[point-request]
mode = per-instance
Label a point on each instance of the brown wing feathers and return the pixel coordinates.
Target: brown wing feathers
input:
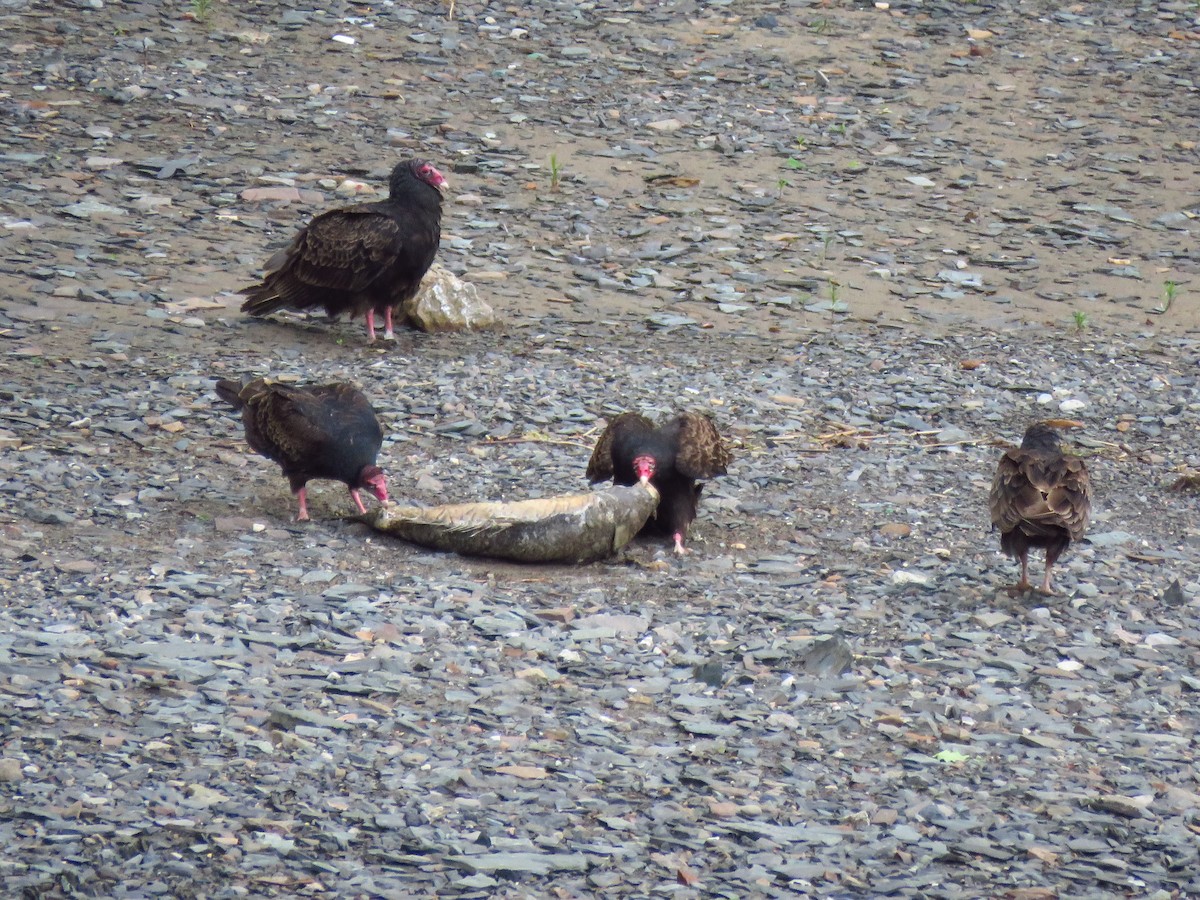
(700, 451)
(1040, 492)
(341, 253)
(293, 423)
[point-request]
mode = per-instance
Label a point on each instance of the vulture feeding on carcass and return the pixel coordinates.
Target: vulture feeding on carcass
(363, 259)
(1039, 498)
(670, 457)
(318, 431)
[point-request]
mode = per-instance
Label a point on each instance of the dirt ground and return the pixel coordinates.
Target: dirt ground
(913, 166)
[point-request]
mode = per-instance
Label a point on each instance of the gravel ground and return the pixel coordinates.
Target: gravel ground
(833, 695)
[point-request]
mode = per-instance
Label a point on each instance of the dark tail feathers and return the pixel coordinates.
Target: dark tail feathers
(261, 301)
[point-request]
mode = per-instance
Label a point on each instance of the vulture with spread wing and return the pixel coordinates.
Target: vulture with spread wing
(363, 259)
(671, 457)
(1040, 498)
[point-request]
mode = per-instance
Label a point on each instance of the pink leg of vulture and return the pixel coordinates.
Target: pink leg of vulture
(1023, 584)
(357, 500)
(679, 549)
(302, 496)
(1046, 588)
(370, 326)
(388, 334)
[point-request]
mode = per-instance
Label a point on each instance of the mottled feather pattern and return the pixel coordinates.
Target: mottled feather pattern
(701, 453)
(1038, 493)
(297, 426)
(346, 249)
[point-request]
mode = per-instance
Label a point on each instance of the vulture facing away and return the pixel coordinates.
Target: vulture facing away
(319, 431)
(670, 457)
(1039, 498)
(363, 259)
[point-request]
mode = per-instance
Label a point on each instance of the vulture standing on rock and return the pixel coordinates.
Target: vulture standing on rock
(1039, 498)
(670, 457)
(320, 431)
(363, 259)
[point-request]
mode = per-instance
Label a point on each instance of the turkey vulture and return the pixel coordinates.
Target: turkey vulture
(319, 431)
(670, 457)
(368, 258)
(1039, 498)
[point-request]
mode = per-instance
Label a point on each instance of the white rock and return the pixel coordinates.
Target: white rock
(1072, 405)
(352, 188)
(446, 303)
(1159, 639)
(150, 202)
(904, 576)
(86, 209)
(252, 37)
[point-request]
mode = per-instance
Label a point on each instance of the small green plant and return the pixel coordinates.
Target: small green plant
(781, 184)
(1170, 289)
(1081, 319)
(795, 164)
(826, 239)
(820, 26)
(202, 10)
(839, 129)
(801, 142)
(833, 292)
(555, 172)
